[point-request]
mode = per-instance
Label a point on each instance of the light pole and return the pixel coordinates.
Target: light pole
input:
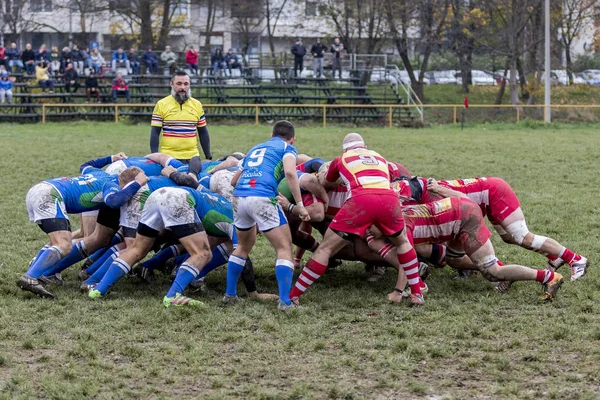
(547, 88)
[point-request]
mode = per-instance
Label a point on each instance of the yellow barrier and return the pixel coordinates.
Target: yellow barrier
(324, 108)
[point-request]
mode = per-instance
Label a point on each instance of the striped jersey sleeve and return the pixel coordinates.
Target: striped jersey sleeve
(157, 116)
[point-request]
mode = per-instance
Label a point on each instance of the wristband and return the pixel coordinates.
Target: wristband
(300, 204)
(398, 290)
(290, 207)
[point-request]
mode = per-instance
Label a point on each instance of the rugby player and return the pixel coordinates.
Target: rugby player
(370, 201)
(255, 206)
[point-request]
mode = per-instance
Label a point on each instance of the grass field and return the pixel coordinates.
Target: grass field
(346, 341)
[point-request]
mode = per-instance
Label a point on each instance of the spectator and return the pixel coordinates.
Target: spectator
(71, 78)
(28, 58)
(151, 60)
(134, 61)
(118, 59)
(170, 59)
(42, 54)
(218, 61)
(336, 49)
(120, 88)
(54, 59)
(6, 86)
(87, 60)
(41, 74)
(97, 60)
(13, 55)
(318, 50)
(91, 87)
(65, 57)
(191, 60)
(231, 60)
(77, 59)
(3, 62)
(299, 51)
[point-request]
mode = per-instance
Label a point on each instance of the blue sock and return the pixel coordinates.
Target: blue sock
(118, 238)
(101, 270)
(77, 254)
(44, 261)
(161, 257)
(185, 275)
(106, 256)
(234, 270)
(181, 259)
(46, 247)
(219, 257)
(116, 271)
(284, 272)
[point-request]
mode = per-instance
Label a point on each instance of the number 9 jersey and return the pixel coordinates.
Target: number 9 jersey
(262, 169)
(363, 172)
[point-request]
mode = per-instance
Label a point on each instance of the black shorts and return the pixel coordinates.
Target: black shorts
(109, 217)
(54, 224)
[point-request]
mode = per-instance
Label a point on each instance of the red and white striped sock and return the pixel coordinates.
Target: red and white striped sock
(385, 250)
(569, 256)
(310, 273)
(544, 275)
(409, 263)
(550, 257)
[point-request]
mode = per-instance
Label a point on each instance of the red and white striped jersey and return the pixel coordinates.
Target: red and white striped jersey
(363, 172)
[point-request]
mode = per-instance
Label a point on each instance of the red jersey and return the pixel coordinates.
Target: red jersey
(363, 172)
(397, 171)
(452, 218)
(414, 191)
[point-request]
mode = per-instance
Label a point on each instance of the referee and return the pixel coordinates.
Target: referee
(182, 122)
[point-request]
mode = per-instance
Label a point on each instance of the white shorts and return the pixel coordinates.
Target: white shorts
(262, 211)
(116, 168)
(45, 202)
(131, 212)
(220, 183)
(168, 207)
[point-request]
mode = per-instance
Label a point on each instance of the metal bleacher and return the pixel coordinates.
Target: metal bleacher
(298, 94)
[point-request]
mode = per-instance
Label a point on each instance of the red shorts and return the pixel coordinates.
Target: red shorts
(360, 212)
(309, 198)
(473, 233)
(503, 201)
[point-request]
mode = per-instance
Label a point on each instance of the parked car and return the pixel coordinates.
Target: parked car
(406, 79)
(591, 76)
(499, 76)
(478, 77)
(560, 77)
(445, 77)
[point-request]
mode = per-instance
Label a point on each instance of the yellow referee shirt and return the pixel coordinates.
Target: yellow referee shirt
(179, 123)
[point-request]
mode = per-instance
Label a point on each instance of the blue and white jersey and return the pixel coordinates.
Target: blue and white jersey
(215, 212)
(149, 167)
(262, 169)
(85, 192)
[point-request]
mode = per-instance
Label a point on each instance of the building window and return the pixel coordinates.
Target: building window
(310, 9)
(40, 6)
(182, 8)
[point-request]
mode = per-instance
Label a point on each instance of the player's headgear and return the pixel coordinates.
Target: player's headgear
(352, 140)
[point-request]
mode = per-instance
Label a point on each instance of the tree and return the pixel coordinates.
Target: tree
(248, 23)
(13, 20)
(272, 13)
(576, 16)
(430, 16)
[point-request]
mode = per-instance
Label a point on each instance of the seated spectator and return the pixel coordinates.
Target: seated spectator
(13, 55)
(6, 87)
(119, 60)
(54, 59)
(71, 78)
(134, 61)
(218, 61)
(91, 87)
(231, 60)
(191, 60)
(65, 57)
(120, 88)
(41, 74)
(3, 62)
(87, 60)
(151, 60)
(170, 59)
(77, 58)
(28, 58)
(97, 61)
(42, 54)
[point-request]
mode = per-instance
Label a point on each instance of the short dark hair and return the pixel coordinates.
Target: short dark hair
(179, 73)
(284, 129)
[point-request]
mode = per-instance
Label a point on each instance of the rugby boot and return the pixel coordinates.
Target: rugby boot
(181, 301)
(83, 275)
(503, 286)
(55, 279)
(227, 299)
(34, 286)
(552, 287)
(554, 265)
(95, 294)
(143, 273)
(86, 287)
(416, 300)
(199, 285)
(281, 306)
(377, 274)
(579, 268)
